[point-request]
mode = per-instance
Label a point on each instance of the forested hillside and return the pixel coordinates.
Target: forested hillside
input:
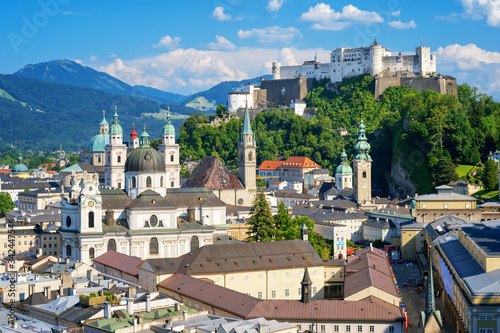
(39, 115)
(417, 138)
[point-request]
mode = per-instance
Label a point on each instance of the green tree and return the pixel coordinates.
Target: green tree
(286, 227)
(220, 110)
(261, 222)
(185, 172)
(6, 204)
(261, 182)
(490, 175)
(444, 171)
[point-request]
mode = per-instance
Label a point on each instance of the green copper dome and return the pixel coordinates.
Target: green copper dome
(115, 127)
(103, 122)
(98, 142)
(20, 167)
(144, 159)
(144, 139)
(168, 128)
(344, 168)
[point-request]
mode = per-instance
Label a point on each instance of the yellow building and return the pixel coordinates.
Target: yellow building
(238, 231)
(412, 240)
(468, 264)
(428, 207)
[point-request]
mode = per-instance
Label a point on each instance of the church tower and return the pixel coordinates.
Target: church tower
(170, 151)
(343, 174)
(247, 154)
(116, 154)
(134, 139)
(362, 165)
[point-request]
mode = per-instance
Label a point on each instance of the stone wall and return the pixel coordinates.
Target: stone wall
(442, 85)
(293, 89)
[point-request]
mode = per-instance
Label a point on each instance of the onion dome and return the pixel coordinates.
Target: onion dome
(115, 127)
(344, 168)
(168, 128)
(133, 134)
(362, 146)
(20, 167)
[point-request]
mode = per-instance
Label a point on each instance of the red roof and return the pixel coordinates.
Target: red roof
(275, 182)
(4, 170)
(47, 165)
(270, 165)
(119, 261)
(301, 162)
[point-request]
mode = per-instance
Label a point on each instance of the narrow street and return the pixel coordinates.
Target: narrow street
(415, 302)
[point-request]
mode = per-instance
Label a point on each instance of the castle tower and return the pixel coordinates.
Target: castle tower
(306, 288)
(376, 54)
(247, 149)
(430, 319)
(343, 174)
(426, 61)
(170, 152)
(134, 139)
(362, 165)
(116, 154)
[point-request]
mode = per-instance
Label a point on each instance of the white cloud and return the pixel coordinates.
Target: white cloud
(168, 42)
(396, 13)
(271, 34)
(402, 25)
(478, 9)
(326, 18)
(219, 15)
(221, 44)
(472, 65)
(274, 5)
(456, 51)
(191, 70)
(92, 58)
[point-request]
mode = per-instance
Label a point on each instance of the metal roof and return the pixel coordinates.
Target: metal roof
(119, 261)
(236, 257)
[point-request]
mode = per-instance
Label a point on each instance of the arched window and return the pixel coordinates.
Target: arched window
(364, 174)
(153, 221)
(161, 181)
(99, 159)
(68, 221)
(111, 245)
(119, 159)
(250, 156)
(134, 182)
(153, 246)
(195, 243)
(171, 158)
(91, 253)
(148, 182)
(68, 250)
(91, 219)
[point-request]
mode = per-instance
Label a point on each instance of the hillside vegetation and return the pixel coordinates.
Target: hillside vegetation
(39, 115)
(417, 139)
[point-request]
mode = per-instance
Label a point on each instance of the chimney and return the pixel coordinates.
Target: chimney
(107, 310)
(130, 306)
(191, 214)
(148, 303)
(184, 315)
(111, 284)
(99, 280)
(72, 291)
(177, 306)
(131, 291)
(46, 292)
(371, 247)
(259, 327)
(66, 260)
(61, 290)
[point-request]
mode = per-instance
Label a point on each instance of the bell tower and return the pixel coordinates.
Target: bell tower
(116, 155)
(170, 151)
(362, 167)
(247, 157)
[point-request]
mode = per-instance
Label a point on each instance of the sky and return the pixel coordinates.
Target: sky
(188, 46)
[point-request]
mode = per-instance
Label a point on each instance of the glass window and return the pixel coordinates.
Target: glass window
(134, 182)
(287, 292)
(335, 328)
(391, 328)
(153, 246)
(68, 221)
(153, 221)
(372, 328)
(259, 295)
(323, 328)
(148, 181)
(91, 219)
(347, 328)
(68, 250)
(360, 328)
(91, 253)
(273, 294)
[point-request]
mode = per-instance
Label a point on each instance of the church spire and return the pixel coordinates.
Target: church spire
(247, 127)
(430, 312)
(306, 287)
(362, 146)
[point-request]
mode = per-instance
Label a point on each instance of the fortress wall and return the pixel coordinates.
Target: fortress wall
(440, 85)
(294, 88)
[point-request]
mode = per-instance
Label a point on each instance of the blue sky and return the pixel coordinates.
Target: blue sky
(188, 46)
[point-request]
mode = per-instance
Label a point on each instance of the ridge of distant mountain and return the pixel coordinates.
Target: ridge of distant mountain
(216, 95)
(42, 115)
(73, 73)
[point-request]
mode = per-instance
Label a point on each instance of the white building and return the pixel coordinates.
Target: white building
(349, 62)
(298, 106)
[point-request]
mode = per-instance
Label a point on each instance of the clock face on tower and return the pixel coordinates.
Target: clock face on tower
(91, 204)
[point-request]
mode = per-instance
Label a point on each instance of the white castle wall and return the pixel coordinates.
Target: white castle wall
(350, 62)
